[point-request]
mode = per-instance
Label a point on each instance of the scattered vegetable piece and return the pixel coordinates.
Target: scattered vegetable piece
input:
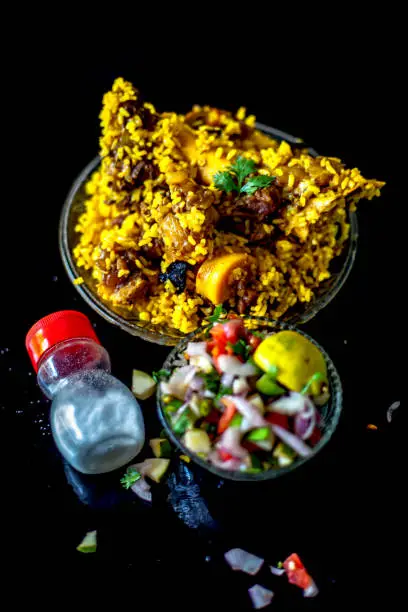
(277, 571)
(260, 597)
(394, 406)
(143, 385)
(88, 544)
(142, 489)
(161, 447)
(372, 426)
(296, 572)
(185, 458)
(153, 468)
(130, 477)
(197, 441)
(241, 560)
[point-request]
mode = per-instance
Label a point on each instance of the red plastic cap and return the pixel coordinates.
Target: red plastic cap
(55, 328)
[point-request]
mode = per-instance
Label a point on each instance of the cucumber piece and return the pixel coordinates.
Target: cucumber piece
(173, 405)
(284, 454)
(268, 386)
(183, 422)
(143, 385)
(236, 420)
(261, 433)
(88, 544)
(161, 447)
(197, 441)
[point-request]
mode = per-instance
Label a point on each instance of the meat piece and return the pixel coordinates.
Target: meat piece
(153, 251)
(262, 203)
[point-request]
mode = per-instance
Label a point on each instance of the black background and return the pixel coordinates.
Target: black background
(339, 87)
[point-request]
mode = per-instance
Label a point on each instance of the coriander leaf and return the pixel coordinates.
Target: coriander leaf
(212, 380)
(130, 477)
(242, 167)
(241, 348)
(223, 391)
(225, 182)
(256, 182)
(216, 315)
(161, 375)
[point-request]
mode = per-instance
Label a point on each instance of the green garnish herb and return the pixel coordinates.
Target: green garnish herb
(258, 334)
(223, 391)
(280, 565)
(130, 477)
(241, 348)
(161, 375)
(218, 313)
(211, 381)
(316, 377)
(233, 180)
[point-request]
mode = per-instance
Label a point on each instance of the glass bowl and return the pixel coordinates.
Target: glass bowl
(74, 207)
(330, 412)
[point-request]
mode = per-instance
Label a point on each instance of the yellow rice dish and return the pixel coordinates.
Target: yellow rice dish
(190, 211)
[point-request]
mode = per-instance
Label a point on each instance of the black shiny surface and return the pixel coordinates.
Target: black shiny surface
(343, 512)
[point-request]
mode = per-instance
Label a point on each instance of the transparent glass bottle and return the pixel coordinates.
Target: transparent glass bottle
(96, 421)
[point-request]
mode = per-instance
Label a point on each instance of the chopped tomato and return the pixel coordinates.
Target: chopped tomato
(296, 571)
(278, 419)
(230, 331)
(213, 417)
(224, 456)
(315, 437)
(226, 416)
(254, 341)
(250, 446)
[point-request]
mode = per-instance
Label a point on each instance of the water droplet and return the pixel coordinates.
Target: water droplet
(30, 373)
(55, 279)
(38, 401)
(10, 369)
(345, 341)
(208, 558)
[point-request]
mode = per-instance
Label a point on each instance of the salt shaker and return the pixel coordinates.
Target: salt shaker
(96, 421)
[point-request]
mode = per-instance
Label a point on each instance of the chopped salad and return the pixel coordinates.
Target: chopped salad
(247, 400)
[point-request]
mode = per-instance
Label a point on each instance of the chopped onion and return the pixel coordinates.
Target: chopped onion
(209, 394)
(291, 440)
(277, 571)
(243, 561)
(232, 465)
(227, 379)
(260, 596)
(180, 380)
(305, 421)
(230, 441)
(196, 348)
(232, 365)
(248, 411)
(197, 383)
(311, 590)
(394, 406)
(240, 386)
(289, 404)
(142, 489)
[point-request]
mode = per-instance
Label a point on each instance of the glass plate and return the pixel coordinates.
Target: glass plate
(74, 207)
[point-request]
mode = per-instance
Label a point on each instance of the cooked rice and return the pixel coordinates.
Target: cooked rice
(130, 230)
